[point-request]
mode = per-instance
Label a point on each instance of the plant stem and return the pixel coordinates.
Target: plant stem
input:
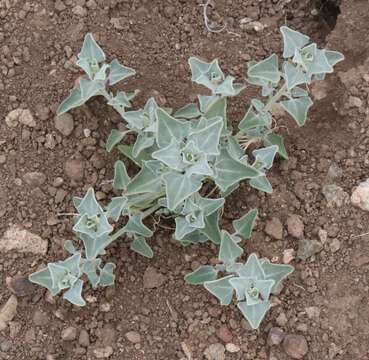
(150, 210)
(276, 97)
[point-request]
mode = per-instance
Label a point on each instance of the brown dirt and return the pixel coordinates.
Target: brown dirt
(156, 38)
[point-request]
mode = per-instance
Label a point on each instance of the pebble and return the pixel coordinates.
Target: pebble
(335, 245)
(6, 345)
(224, 334)
(360, 195)
(40, 318)
(282, 320)
(295, 346)
(288, 255)
(232, 348)
(18, 239)
(152, 278)
(335, 172)
(335, 195)
(23, 116)
(79, 11)
(21, 286)
(64, 123)
(8, 312)
(295, 226)
(34, 179)
(74, 169)
(323, 236)
(274, 228)
(355, 102)
(313, 312)
(84, 338)
(275, 336)
(307, 248)
(103, 353)
(133, 337)
(215, 352)
(69, 334)
(2, 158)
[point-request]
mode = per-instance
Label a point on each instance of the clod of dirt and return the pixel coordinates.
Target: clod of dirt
(22, 240)
(307, 248)
(215, 352)
(274, 228)
(152, 278)
(133, 337)
(232, 348)
(34, 179)
(360, 196)
(74, 168)
(295, 346)
(21, 286)
(224, 334)
(335, 172)
(8, 312)
(40, 318)
(295, 226)
(288, 255)
(64, 123)
(69, 334)
(103, 353)
(335, 195)
(275, 336)
(84, 338)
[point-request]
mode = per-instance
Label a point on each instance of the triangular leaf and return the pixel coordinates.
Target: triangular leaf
(106, 274)
(261, 183)
(74, 294)
(170, 155)
(298, 108)
(135, 225)
(142, 142)
(91, 50)
(121, 178)
(229, 250)
(114, 138)
(119, 72)
(292, 39)
(244, 225)
(266, 69)
(275, 139)
(265, 155)
(333, 57)
(73, 100)
(254, 314)
(140, 246)
(43, 278)
(252, 269)
(90, 88)
(221, 288)
(294, 76)
(127, 151)
(188, 111)
(94, 245)
(201, 275)
(276, 272)
(89, 204)
(115, 207)
(211, 229)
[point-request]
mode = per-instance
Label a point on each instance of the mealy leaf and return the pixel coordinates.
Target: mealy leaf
(254, 314)
(73, 100)
(294, 76)
(266, 69)
(229, 250)
(170, 155)
(276, 272)
(90, 88)
(252, 269)
(211, 229)
(188, 111)
(121, 178)
(221, 288)
(106, 274)
(265, 155)
(89, 204)
(119, 72)
(91, 50)
(135, 225)
(200, 275)
(127, 151)
(298, 108)
(115, 207)
(261, 183)
(244, 225)
(292, 39)
(140, 246)
(275, 139)
(74, 294)
(43, 278)
(142, 142)
(114, 138)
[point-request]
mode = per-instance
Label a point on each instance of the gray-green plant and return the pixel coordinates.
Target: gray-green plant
(177, 154)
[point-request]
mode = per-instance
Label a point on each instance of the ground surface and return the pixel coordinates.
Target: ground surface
(326, 298)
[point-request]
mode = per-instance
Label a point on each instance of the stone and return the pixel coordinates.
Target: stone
(59, 6)
(40, 318)
(288, 255)
(97, 161)
(282, 320)
(6, 345)
(335, 172)
(64, 123)
(335, 245)
(215, 352)
(152, 278)
(84, 338)
(21, 286)
(26, 118)
(35, 178)
(274, 228)
(295, 346)
(360, 195)
(8, 312)
(103, 353)
(14, 328)
(23, 116)
(307, 248)
(232, 348)
(275, 336)
(18, 239)
(224, 334)
(107, 336)
(74, 169)
(79, 11)
(295, 226)
(313, 312)
(133, 337)
(355, 102)
(323, 235)
(335, 195)
(69, 334)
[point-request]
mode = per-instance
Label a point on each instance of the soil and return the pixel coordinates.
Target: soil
(325, 300)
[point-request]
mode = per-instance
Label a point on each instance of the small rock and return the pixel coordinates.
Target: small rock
(360, 196)
(275, 336)
(6, 345)
(152, 278)
(335, 195)
(23, 116)
(21, 286)
(295, 226)
(74, 168)
(215, 352)
(274, 228)
(27, 119)
(335, 172)
(34, 179)
(2, 158)
(59, 6)
(232, 348)
(307, 248)
(8, 312)
(355, 102)
(69, 334)
(282, 320)
(103, 353)
(97, 161)
(58, 181)
(107, 336)
(133, 337)
(313, 312)
(79, 11)
(295, 346)
(288, 255)
(64, 123)
(84, 338)
(21, 240)
(224, 334)
(323, 235)
(335, 245)
(40, 318)
(91, 4)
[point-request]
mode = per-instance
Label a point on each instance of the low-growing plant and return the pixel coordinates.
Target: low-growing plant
(177, 154)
